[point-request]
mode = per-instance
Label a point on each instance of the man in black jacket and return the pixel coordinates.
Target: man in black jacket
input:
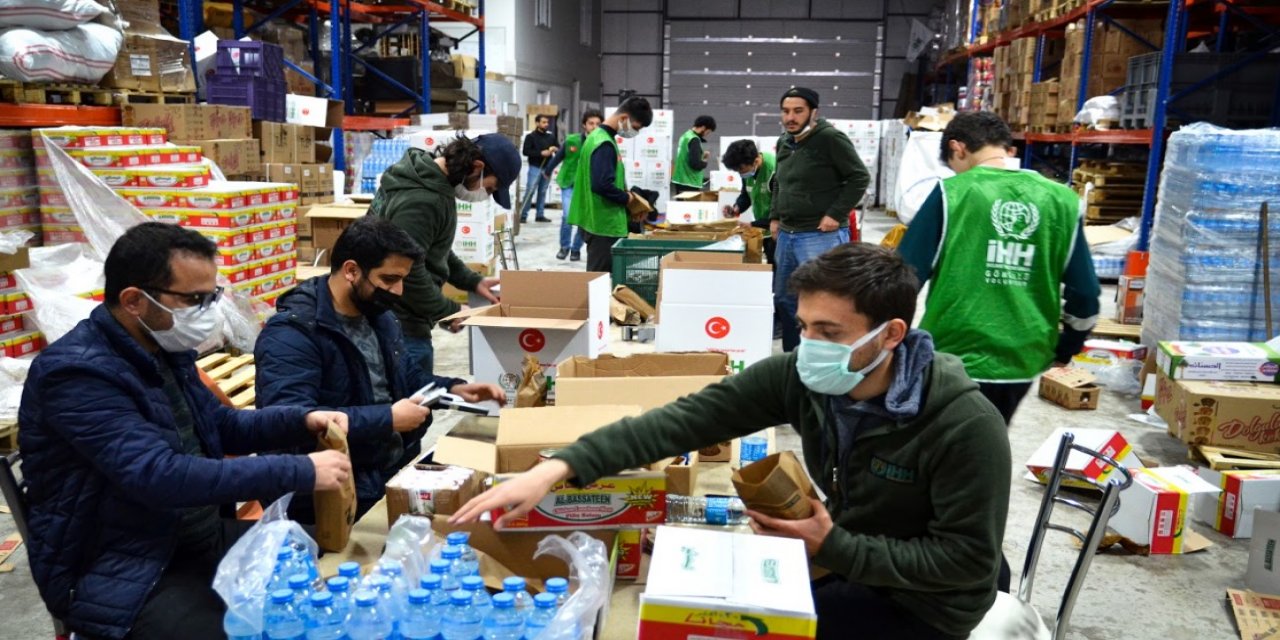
(539, 148)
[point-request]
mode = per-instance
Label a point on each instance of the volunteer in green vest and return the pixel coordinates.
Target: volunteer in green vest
(913, 461)
(756, 169)
(601, 210)
(819, 179)
(567, 159)
(690, 170)
(1006, 252)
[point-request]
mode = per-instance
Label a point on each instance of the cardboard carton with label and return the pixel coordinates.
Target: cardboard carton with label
(329, 221)
(1226, 361)
(551, 315)
(714, 302)
(1236, 415)
(1070, 388)
(1153, 510)
(1232, 511)
(1108, 442)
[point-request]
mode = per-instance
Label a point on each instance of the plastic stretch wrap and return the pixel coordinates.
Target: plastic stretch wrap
(13, 374)
(59, 282)
(1099, 109)
(246, 569)
(409, 545)
(588, 561)
(919, 173)
(1206, 273)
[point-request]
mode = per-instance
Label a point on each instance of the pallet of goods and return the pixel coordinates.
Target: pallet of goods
(1115, 190)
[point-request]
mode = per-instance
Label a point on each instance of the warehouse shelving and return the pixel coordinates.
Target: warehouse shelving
(55, 115)
(1210, 18)
(341, 15)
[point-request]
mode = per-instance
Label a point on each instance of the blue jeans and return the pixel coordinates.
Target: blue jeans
(419, 350)
(535, 179)
(793, 250)
(566, 229)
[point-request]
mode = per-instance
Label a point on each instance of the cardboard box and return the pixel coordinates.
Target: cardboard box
(630, 554)
(629, 500)
(431, 489)
(1153, 510)
(1263, 573)
(328, 222)
(192, 121)
(1070, 388)
(1255, 613)
(1232, 511)
(1108, 442)
(714, 302)
(1219, 361)
(650, 380)
(235, 157)
(278, 141)
(464, 297)
(1100, 354)
(511, 553)
(1130, 296)
(313, 112)
(726, 585)
(1237, 415)
(304, 143)
(551, 315)
(151, 60)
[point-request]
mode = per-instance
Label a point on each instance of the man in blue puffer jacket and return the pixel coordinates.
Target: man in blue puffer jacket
(335, 343)
(124, 451)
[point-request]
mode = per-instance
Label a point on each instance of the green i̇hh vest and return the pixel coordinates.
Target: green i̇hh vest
(683, 174)
(588, 210)
(569, 166)
(761, 196)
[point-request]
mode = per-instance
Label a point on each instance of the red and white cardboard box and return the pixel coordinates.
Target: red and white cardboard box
(1099, 354)
(1232, 511)
(1108, 442)
(714, 302)
(1153, 510)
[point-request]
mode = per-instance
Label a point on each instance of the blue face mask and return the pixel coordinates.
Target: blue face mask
(748, 175)
(824, 366)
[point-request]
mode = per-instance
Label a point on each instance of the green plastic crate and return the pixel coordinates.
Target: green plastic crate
(636, 262)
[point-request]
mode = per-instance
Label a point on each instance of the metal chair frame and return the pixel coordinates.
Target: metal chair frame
(16, 497)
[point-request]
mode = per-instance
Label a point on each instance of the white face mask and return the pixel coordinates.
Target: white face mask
(479, 194)
(191, 327)
(625, 130)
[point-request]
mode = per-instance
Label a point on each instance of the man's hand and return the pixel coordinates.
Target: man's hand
(517, 495)
(813, 531)
(773, 228)
(407, 415)
(318, 421)
(332, 469)
(705, 155)
(479, 392)
(828, 224)
(744, 223)
(455, 325)
(731, 212)
(485, 289)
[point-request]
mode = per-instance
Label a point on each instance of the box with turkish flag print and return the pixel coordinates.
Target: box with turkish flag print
(714, 302)
(551, 315)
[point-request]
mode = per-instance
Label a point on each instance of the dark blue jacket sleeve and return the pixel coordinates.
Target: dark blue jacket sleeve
(923, 240)
(604, 169)
(290, 372)
(695, 155)
(1080, 306)
(102, 422)
(555, 161)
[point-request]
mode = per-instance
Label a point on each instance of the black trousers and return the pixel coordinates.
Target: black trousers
(849, 610)
(599, 252)
(1006, 396)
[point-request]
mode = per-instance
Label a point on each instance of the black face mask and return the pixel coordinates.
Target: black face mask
(378, 303)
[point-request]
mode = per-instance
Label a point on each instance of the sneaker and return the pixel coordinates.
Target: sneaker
(575, 256)
(561, 254)
(543, 219)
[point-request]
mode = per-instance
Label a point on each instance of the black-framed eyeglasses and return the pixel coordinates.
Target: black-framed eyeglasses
(201, 299)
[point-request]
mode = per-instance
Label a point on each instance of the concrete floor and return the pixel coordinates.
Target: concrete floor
(1132, 597)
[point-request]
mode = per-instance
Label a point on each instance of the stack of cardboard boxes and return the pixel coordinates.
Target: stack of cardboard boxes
(1109, 63)
(1044, 106)
(150, 59)
(1015, 68)
(223, 133)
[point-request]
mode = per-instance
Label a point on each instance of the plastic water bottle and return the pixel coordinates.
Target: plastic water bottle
(326, 621)
(350, 571)
(457, 565)
(461, 540)
(431, 583)
(461, 620)
(369, 621)
(751, 449)
(544, 611)
(503, 622)
(422, 620)
(305, 562)
(516, 587)
(717, 510)
(387, 601)
(394, 571)
(281, 619)
(558, 587)
(300, 585)
(340, 587)
(237, 628)
(449, 582)
(479, 597)
(285, 567)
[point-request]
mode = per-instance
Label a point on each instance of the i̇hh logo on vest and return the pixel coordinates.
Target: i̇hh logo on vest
(1010, 258)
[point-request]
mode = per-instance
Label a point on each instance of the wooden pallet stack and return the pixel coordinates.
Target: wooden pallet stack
(1044, 106)
(1116, 191)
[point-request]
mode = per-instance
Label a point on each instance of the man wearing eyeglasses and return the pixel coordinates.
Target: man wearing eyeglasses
(124, 451)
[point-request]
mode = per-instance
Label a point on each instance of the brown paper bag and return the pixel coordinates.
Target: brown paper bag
(638, 208)
(335, 509)
(532, 391)
(892, 239)
(622, 293)
(776, 486)
(622, 314)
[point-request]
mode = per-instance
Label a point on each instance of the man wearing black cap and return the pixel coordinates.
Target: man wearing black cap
(819, 180)
(419, 194)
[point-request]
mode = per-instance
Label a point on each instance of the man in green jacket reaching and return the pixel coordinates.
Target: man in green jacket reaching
(420, 194)
(913, 460)
(820, 179)
(689, 173)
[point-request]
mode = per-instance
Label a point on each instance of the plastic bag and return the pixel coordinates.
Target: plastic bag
(49, 15)
(919, 173)
(13, 374)
(1121, 376)
(11, 241)
(736, 243)
(246, 569)
(409, 545)
(84, 53)
(59, 282)
(588, 561)
(1099, 109)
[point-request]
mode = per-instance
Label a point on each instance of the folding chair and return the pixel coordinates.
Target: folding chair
(1014, 616)
(15, 496)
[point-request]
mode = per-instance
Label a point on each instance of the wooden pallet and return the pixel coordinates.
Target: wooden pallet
(14, 92)
(234, 375)
(1112, 213)
(1111, 329)
(1114, 196)
(145, 97)
(1222, 459)
(1104, 168)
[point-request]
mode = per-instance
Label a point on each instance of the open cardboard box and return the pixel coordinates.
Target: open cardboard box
(404, 497)
(1070, 388)
(551, 315)
(1153, 511)
(650, 380)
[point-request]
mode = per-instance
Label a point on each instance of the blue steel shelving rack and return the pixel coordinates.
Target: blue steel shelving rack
(341, 15)
(1178, 16)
